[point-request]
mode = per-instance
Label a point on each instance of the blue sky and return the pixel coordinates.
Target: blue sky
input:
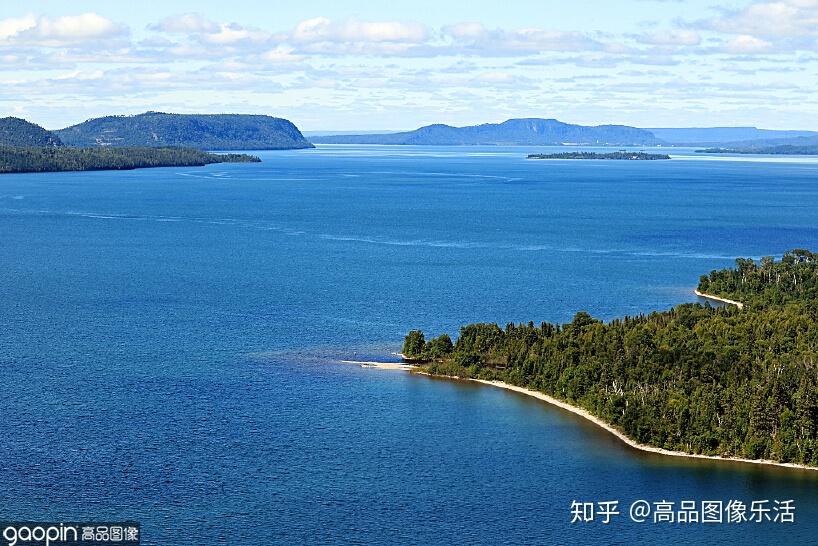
(360, 65)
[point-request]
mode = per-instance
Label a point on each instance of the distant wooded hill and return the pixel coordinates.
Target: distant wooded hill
(202, 131)
(19, 132)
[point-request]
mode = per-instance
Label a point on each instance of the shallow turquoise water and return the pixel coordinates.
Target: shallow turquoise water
(169, 342)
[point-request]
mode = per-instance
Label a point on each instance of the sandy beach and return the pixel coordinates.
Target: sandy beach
(717, 298)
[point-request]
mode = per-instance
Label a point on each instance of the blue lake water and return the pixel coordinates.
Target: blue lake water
(170, 342)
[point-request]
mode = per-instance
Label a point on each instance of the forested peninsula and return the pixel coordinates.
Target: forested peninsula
(718, 381)
(14, 159)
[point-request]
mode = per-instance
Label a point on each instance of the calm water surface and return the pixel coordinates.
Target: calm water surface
(170, 342)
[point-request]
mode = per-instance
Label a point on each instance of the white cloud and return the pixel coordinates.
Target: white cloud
(746, 44)
(78, 75)
(63, 31)
(677, 37)
(15, 25)
(475, 38)
(78, 27)
(233, 33)
(466, 31)
(782, 18)
(200, 30)
(281, 54)
(341, 62)
(322, 29)
(185, 23)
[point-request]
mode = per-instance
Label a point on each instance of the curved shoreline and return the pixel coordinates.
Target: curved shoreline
(585, 414)
(720, 299)
(621, 436)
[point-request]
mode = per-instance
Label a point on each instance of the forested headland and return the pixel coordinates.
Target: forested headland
(200, 131)
(699, 379)
(60, 158)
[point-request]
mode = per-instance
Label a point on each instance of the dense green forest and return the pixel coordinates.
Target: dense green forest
(202, 131)
(625, 156)
(52, 159)
(700, 379)
(791, 280)
(19, 132)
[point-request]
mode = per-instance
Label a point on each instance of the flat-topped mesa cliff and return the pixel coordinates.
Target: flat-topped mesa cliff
(201, 131)
(526, 131)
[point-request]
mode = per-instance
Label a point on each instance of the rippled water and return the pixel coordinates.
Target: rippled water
(170, 342)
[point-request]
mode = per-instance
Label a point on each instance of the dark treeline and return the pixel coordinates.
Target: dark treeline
(699, 379)
(53, 159)
(793, 278)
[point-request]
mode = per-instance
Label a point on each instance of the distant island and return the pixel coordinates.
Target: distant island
(705, 381)
(784, 149)
(551, 132)
(624, 156)
(201, 131)
(529, 131)
(729, 136)
(61, 158)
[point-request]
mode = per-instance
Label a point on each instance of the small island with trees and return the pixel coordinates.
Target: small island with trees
(618, 156)
(702, 380)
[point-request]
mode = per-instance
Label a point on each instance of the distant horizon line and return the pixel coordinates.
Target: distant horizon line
(385, 131)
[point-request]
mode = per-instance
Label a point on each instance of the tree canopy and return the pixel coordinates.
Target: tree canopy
(19, 132)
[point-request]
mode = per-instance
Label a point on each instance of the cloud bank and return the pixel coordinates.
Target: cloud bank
(321, 68)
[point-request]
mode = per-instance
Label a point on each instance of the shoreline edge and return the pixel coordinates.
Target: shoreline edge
(719, 299)
(609, 428)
